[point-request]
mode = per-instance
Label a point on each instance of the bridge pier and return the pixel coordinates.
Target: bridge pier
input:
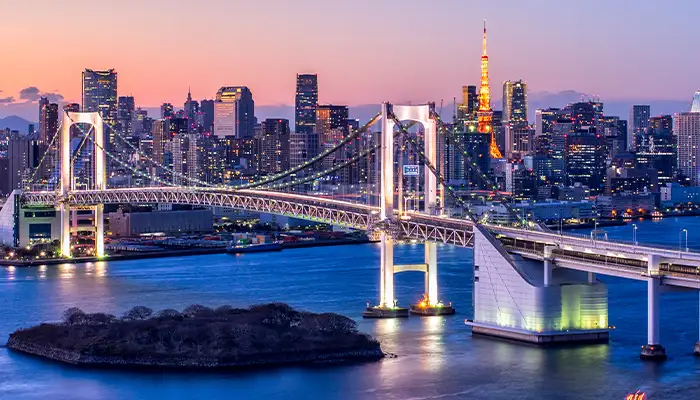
(64, 212)
(99, 231)
(520, 299)
(653, 350)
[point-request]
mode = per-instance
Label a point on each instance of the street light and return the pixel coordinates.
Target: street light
(634, 233)
(686, 239)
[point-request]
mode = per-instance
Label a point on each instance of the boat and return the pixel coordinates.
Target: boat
(254, 248)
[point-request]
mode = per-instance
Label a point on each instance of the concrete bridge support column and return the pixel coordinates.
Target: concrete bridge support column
(64, 211)
(548, 265)
(99, 230)
(431, 283)
(653, 350)
(386, 296)
(591, 278)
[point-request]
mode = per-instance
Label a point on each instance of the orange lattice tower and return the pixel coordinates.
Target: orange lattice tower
(485, 114)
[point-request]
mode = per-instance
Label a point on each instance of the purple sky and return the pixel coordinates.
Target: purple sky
(365, 51)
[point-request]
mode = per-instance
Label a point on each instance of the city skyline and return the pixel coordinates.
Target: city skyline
(139, 54)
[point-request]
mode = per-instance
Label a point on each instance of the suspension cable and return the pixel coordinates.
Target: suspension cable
(158, 164)
(30, 181)
(475, 168)
(125, 165)
(315, 159)
(317, 175)
(421, 153)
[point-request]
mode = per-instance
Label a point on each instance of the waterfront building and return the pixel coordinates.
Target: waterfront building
(515, 102)
(673, 194)
(695, 106)
(134, 223)
(100, 95)
(686, 129)
(305, 103)
(234, 112)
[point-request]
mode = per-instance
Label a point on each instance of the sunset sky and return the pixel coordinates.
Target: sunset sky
(365, 51)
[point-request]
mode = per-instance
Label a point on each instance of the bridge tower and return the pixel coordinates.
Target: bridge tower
(67, 183)
(388, 306)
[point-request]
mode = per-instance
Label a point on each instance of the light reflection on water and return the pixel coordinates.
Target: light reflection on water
(437, 356)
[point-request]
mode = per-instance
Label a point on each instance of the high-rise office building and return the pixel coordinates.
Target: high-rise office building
(125, 115)
(234, 112)
(206, 108)
(466, 110)
(48, 120)
(331, 122)
(166, 110)
(638, 123)
(585, 160)
(585, 114)
(519, 140)
(23, 156)
(686, 129)
(100, 94)
(305, 103)
(515, 102)
(48, 128)
(159, 134)
(658, 151)
(274, 146)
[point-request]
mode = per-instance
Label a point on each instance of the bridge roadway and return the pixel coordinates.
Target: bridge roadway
(608, 257)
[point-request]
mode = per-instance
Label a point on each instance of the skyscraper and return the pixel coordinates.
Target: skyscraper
(686, 128)
(207, 110)
(638, 123)
(274, 146)
(515, 102)
(485, 114)
(585, 160)
(48, 120)
(48, 127)
(305, 103)
(100, 94)
(331, 122)
(125, 115)
(234, 112)
(466, 110)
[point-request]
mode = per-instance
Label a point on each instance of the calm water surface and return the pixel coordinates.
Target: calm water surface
(438, 358)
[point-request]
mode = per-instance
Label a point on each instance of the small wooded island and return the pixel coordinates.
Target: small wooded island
(199, 337)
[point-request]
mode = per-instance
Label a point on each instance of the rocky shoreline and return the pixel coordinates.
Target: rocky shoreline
(313, 340)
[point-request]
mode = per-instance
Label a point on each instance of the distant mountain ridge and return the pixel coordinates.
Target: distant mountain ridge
(15, 123)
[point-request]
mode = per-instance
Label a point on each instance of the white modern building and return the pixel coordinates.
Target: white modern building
(686, 129)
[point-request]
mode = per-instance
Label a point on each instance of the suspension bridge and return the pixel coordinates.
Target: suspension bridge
(530, 283)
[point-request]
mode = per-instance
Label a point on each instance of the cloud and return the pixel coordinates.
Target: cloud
(5, 100)
(53, 97)
(31, 93)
